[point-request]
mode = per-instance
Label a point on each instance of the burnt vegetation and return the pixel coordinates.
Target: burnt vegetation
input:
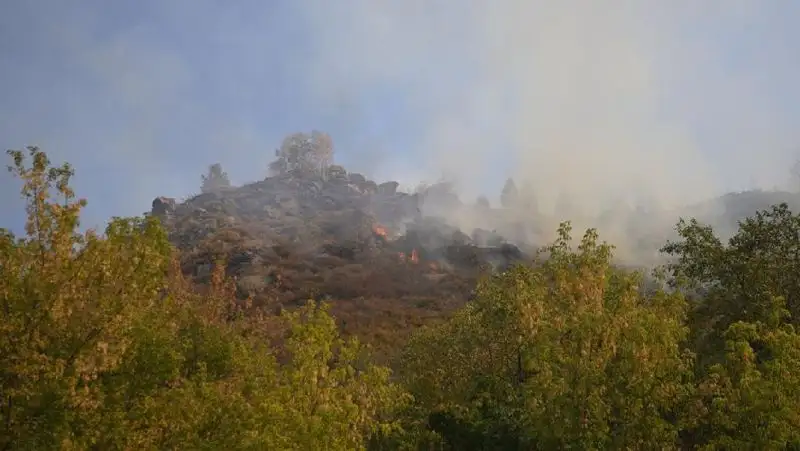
(312, 230)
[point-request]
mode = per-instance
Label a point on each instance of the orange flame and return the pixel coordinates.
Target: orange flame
(379, 230)
(413, 257)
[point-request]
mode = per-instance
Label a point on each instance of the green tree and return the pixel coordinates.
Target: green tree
(566, 353)
(745, 308)
(750, 400)
(338, 397)
(754, 278)
(68, 300)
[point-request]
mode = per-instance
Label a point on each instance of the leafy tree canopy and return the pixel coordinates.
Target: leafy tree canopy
(304, 152)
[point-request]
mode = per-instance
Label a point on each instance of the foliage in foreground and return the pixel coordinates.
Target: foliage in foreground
(566, 353)
(572, 353)
(105, 346)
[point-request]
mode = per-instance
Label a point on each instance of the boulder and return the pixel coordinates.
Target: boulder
(163, 206)
(356, 178)
(388, 188)
(336, 172)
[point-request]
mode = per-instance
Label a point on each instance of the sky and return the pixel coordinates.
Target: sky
(669, 102)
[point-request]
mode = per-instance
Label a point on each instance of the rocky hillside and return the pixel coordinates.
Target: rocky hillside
(367, 247)
(363, 246)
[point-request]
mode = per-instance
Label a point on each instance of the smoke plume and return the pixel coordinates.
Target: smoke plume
(601, 107)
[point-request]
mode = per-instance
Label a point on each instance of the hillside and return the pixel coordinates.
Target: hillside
(386, 264)
(106, 344)
(363, 246)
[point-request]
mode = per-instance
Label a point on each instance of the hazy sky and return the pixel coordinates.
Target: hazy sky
(664, 100)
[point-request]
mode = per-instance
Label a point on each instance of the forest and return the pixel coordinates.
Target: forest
(106, 344)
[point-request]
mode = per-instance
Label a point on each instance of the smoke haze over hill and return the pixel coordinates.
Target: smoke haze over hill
(643, 103)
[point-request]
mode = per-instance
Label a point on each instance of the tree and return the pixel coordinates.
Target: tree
(215, 179)
(745, 308)
(510, 195)
(68, 301)
(750, 399)
(306, 153)
(754, 278)
(104, 345)
(339, 396)
(566, 353)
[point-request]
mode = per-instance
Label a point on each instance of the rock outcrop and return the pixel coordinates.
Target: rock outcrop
(336, 235)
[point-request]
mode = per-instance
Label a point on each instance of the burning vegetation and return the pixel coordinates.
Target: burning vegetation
(313, 230)
(303, 234)
(380, 230)
(413, 257)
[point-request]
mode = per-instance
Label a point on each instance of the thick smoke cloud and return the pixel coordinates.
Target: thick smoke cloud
(639, 102)
(596, 101)
(660, 104)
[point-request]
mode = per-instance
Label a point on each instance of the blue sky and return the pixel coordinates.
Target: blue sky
(672, 99)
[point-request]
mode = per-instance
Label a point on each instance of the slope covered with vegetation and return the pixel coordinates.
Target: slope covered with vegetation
(311, 229)
(106, 345)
